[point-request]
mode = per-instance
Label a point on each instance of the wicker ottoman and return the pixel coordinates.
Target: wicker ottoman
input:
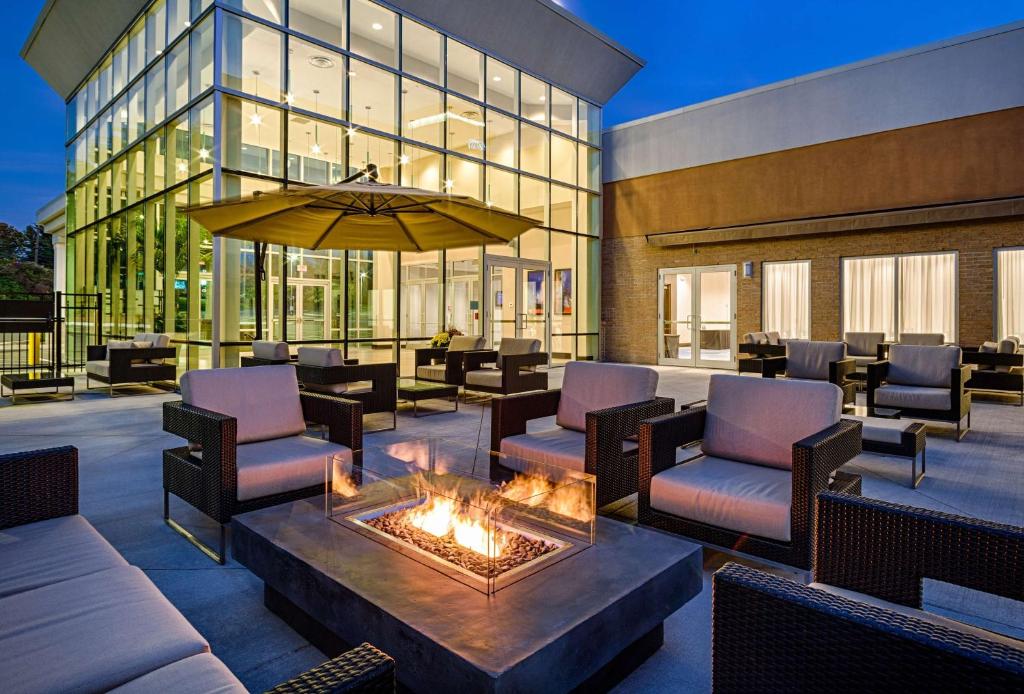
(896, 437)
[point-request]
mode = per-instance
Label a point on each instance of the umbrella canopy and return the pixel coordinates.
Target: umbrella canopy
(361, 216)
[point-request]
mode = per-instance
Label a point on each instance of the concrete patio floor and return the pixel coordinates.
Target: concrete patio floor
(120, 442)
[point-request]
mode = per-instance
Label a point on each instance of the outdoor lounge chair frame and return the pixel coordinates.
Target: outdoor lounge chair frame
(43, 484)
(960, 397)
(815, 461)
(210, 483)
(805, 639)
(453, 360)
(123, 373)
(839, 373)
(988, 380)
(382, 395)
(515, 378)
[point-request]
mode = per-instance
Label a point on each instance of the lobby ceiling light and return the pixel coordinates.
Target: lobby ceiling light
(289, 98)
(469, 118)
(320, 61)
(256, 119)
(497, 78)
(376, 26)
(203, 154)
(315, 149)
(449, 184)
(351, 131)
(404, 159)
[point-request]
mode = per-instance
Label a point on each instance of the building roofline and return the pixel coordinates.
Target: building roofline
(34, 32)
(590, 29)
(827, 72)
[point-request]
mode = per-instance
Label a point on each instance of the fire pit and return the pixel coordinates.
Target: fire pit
(484, 534)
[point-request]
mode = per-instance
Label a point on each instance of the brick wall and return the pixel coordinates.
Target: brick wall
(629, 317)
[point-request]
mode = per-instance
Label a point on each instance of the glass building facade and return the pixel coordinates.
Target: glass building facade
(201, 100)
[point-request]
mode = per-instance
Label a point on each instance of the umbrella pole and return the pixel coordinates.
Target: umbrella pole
(259, 252)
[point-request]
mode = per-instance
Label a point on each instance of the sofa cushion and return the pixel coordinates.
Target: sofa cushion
(754, 420)
(810, 359)
(284, 465)
(117, 344)
(1008, 345)
(465, 343)
(881, 430)
(922, 339)
(158, 339)
(863, 361)
(560, 447)
(327, 388)
(490, 378)
(914, 397)
(748, 339)
(431, 372)
(50, 551)
(318, 356)
(591, 386)
(91, 634)
(746, 498)
(197, 674)
(988, 347)
(264, 399)
(915, 365)
(263, 349)
(864, 344)
(517, 345)
(98, 367)
(774, 338)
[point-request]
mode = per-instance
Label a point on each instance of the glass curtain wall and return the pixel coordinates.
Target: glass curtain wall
(196, 102)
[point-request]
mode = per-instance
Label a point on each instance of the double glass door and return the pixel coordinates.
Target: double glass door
(517, 300)
(697, 316)
(308, 310)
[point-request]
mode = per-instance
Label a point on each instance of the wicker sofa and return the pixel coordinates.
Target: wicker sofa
(145, 359)
(445, 364)
(246, 445)
(997, 368)
(77, 617)
(597, 414)
(769, 446)
(514, 371)
(860, 626)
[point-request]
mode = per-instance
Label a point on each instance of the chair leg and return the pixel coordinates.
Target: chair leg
(218, 555)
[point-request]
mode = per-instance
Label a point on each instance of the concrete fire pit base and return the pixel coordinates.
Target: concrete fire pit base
(584, 622)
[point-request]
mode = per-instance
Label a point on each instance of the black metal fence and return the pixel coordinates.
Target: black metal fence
(81, 323)
(47, 333)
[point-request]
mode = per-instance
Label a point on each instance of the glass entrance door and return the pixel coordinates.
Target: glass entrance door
(697, 316)
(309, 316)
(517, 300)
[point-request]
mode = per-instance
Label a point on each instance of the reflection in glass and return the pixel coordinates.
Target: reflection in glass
(251, 57)
(462, 290)
(421, 294)
(202, 57)
(589, 123)
(252, 137)
(266, 9)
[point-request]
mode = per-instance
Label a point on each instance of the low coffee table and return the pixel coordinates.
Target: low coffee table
(414, 391)
(885, 433)
(876, 412)
(588, 619)
(16, 382)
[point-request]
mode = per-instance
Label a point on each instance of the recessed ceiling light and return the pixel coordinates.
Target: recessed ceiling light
(351, 73)
(376, 26)
(203, 153)
(448, 184)
(315, 149)
(543, 98)
(256, 119)
(404, 159)
(497, 78)
(320, 61)
(351, 131)
(289, 98)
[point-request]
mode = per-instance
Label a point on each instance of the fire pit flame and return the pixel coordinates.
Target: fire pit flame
(441, 516)
(571, 501)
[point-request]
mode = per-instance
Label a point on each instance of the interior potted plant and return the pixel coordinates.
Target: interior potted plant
(444, 338)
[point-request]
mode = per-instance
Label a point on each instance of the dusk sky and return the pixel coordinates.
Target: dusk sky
(694, 51)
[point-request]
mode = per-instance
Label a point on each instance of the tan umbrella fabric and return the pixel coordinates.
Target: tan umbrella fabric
(362, 216)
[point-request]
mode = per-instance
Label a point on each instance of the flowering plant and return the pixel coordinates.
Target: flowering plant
(443, 338)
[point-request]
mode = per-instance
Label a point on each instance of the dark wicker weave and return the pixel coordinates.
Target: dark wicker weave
(516, 374)
(210, 484)
(38, 485)
(382, 395)
(754, 364)
(364, 669)
(257, 361)
(454, 371)
(996, 372)
(960, 397)
(124, 372)
(771, 634)
(607, 429)
(815, 459)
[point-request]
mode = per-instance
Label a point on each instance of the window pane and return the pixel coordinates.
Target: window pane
(137, 49)
(563, 111)
(365, 149)
(563, 280)
(371, 300)
(786, 296)
(252, 137)
(119, 69)
(533, 199)
(465, 127)
(201, 141)
(1010, 290)
(156, 162)
(321, 19)
(462, 290)
(156, 95)
(533, 149)
(563, 208)
(372, 96)
(589, 123)
(422, 52)
(266, 9)
(869, 295)
(421, 294)
(534, 244)
(177, 18)
(177, 150)
(156, 31)
(421, 168)
(563, 159)
(251, 58)
(465, 178)
(465, 70)
(501, 85)
(177, 77)
(589, 213)
(316, 151)
(136, 111)
(534, 96)
(315, 78)
(588, 271)
(120, 125)
(928, 294)
(501, 138)
(423, 113)
(202, 57)
(374, 32)
(502, 189)
(590, 168)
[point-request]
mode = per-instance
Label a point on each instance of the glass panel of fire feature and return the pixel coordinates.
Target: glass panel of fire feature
(422, 499)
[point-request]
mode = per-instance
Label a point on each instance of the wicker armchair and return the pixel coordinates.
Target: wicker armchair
(445, 364)
(246, 445)
(38, 485)
(860, 624)
(122, 363)
(514, 371)
(753, 489)
(923, 382)
(362, 670)
(267, 353)
(998, 368)
(598, 413)
(815, 361)
(333, 378)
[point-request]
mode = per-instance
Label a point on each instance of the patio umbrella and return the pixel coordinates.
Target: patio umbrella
(358, 216)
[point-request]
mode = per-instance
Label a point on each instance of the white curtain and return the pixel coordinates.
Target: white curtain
(1010, 269)
(787, 298)
(927, 294)
(869, 295)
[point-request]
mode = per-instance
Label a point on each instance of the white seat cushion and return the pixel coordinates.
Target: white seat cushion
(284, 465)
(590, 386)
(319, 356)
(264, 399)
(328, 388)
(464, 343)
(264, 349)
(915, 365)
(91, 634)
(563, 448)
(158, 339)
(517, 345)
(431, 372)
(756, 420)
(864, 344)
(50, 551)
(100, 367)
(809, 359)
(751, 499)
(484, 377)
(881, 430)
(197, 674)
(915, 397)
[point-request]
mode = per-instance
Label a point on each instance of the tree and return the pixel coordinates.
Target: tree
(39, 246)
(26, 259)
